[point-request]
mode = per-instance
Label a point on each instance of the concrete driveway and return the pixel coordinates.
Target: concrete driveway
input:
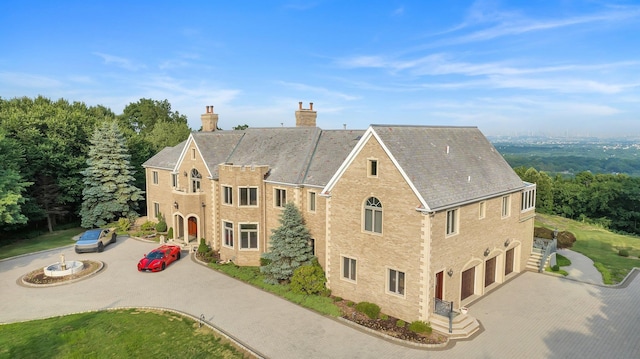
(533, 316)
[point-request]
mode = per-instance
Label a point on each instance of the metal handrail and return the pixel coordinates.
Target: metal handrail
(549, 248)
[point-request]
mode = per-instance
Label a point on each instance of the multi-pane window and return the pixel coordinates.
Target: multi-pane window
(280, 197)
(348, 268)
(312, 201)
(248, 196)
(196, 177)
(396, 282)
(228, 234)
(249, 236)
(155, 177)
(373, 215)
(528, 199)
(452, 221)
(505, 206)
(482, 209)
(227, 193)
(156, 209)
(174, 180)
(373, 168)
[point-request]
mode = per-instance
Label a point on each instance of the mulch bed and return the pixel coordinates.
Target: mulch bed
(37, 277)
(388, 326)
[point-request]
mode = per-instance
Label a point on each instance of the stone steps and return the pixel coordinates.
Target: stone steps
(463, 325)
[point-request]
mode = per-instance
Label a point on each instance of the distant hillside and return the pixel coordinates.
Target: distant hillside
(570, 157)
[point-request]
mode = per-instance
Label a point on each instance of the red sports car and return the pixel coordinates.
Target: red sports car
(159, 258)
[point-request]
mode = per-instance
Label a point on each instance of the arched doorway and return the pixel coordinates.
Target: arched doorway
(192, 228)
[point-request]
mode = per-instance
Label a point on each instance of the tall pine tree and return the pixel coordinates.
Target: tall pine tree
(109, 192)
(289, 247)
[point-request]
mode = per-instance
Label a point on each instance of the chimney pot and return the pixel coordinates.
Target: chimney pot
(300, 105)
(311, 106)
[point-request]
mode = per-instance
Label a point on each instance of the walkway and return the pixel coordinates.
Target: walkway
(533, 316)
(581, 268)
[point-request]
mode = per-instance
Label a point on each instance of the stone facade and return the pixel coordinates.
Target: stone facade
(396, 217)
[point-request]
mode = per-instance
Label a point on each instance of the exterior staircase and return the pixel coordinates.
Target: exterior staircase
(463, 325)
(533, 263)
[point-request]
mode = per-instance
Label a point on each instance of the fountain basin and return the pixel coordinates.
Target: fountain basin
(58, 270)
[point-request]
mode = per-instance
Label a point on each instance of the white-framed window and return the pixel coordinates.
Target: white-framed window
(155, 176)
(228, 233)
(248, 196)
(156, 209)
(373, 215)
(372, 168)
(174, 180)
(452, 221)
(196, 177)
(506, 205)
(249, 236)
(396, 282)
(482, 209)
(280, 197)
(349, 268)
(227, 195)
(312, 202)
(528, 199)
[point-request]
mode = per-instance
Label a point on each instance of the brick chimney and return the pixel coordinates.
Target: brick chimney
(306, 117)
(209, 120)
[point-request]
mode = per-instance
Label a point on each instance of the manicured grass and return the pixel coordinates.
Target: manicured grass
(40, 243)
(600, 245)
(252, 275)
(127, 333)
(562, 261)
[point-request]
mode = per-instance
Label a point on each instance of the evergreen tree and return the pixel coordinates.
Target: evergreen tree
(109, 193)
(289, 247)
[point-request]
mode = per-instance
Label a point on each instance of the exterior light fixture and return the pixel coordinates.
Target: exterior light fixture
(555, 233)
(486, 252)
(175, 205)
(506, 243)
(184, 173)
(203, 205)
(450, 272)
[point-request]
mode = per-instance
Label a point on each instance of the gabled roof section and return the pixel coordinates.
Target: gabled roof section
(215, 147)
(448, 166)
(332, 149)
(445, 166)
(286, 150)
(167, 158)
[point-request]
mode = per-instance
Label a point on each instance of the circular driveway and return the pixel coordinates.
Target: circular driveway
(532, 316)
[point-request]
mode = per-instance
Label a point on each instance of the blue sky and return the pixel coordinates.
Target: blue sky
(508, 67)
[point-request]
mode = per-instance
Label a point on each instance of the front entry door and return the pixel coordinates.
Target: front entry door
(490, 272)
(468, 283)
(508, 265)
(439, 282)
(193, 228)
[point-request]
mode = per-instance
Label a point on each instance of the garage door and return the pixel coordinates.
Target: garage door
(468, 283)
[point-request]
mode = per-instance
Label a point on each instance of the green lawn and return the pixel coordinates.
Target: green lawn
(45, 241)
(127, 333)
(600, 245)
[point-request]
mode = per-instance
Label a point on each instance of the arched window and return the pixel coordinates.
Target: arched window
(195, 180)
(373, 215)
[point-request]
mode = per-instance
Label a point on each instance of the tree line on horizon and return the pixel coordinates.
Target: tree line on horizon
(608, 200)
(45, 150)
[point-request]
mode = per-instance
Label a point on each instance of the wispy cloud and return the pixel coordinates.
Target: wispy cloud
(119, 61)
(318, 90)
(20, 80)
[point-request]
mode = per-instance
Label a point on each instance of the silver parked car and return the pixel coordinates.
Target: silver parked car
(94, 240)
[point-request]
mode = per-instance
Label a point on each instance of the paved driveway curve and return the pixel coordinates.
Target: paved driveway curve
(534, 316)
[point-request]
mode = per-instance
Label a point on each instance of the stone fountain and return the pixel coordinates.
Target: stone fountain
(63, 268)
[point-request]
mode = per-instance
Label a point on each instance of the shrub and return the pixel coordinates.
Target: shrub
(384, 317)
(203, 247)
(400, 323)
(264, 261)
(337, 299)
(170, 233)
(148, 226)
(124, 224)
(308, 279)
(161, 227)
(566, 239)
(623, 253)
(419, 326)
(350, 303)
(372, 310)
(555, 268)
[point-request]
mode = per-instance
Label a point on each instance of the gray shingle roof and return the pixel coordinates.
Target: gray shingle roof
(166, 158)
(332, 149)
(449, 165)
(216, 147)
